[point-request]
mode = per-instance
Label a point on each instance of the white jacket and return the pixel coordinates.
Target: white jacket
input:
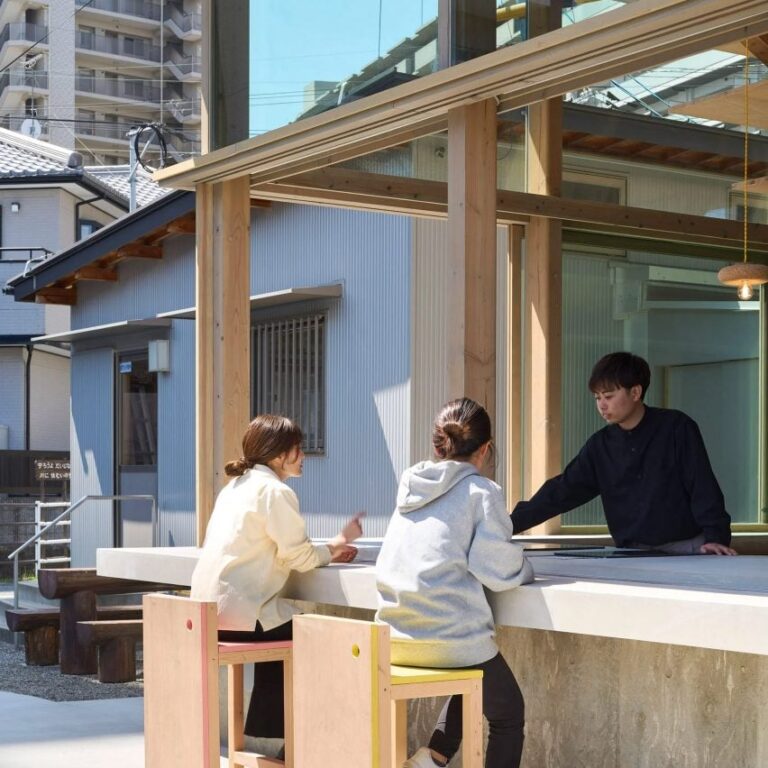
(448, 541)
(254, 539)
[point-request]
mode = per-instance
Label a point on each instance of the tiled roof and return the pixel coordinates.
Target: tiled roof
(22, 157)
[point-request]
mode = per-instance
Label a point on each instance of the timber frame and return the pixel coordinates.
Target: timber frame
(292, 164)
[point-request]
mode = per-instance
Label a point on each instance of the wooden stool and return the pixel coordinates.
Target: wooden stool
(350, 704)
(182, 656)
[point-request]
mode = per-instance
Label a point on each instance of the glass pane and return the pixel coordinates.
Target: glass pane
(308, 57)
(137, 411)
(427, 158)
(675, 133)
(700, 341)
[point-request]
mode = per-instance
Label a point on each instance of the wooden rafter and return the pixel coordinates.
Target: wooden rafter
(57, 295)
(139, 251)
(95, 273)
(184, 225)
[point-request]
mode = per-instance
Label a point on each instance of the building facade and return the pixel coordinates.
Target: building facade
(81, 74)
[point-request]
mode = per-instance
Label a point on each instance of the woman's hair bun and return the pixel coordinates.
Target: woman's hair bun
(237, 467)
(461, 427)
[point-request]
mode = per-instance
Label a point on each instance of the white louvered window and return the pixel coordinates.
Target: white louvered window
(289, 374)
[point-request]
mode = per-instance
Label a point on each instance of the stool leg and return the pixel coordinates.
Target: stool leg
(288, 709)
(235, 737)
(472, 729)
(399, 732)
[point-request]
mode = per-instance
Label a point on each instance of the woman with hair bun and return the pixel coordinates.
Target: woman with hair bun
(447, 541)
(254, 539)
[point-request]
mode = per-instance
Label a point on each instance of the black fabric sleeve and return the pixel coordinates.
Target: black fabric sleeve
(706, 498)
(575, 486)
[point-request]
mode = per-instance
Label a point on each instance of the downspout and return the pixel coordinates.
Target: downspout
(27, 392)
(77, 213)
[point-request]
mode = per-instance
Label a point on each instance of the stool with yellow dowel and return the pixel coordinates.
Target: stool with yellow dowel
(350, 704)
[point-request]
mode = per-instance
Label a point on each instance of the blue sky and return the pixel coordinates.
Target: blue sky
(296, 41)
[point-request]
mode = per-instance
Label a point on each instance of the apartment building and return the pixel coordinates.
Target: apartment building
(81, 73)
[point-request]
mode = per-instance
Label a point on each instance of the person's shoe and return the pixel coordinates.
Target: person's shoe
(421, 759)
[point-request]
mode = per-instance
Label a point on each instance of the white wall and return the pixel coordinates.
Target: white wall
(49, 395)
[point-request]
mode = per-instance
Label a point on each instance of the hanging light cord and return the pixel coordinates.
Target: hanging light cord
(746, 148)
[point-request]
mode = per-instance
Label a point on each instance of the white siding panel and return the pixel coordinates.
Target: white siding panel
(49, 394)
(12, 395)
(368, 410)
(92, 452)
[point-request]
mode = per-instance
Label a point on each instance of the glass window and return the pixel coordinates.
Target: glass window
(289, 373)
(137, 411)
(702, 345)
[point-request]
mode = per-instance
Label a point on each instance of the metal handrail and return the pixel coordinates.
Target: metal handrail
(68, 511)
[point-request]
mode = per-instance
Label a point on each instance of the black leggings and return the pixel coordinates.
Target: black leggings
(265, 717)
(504, 708)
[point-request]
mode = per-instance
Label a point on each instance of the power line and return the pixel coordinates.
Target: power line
(43, 38)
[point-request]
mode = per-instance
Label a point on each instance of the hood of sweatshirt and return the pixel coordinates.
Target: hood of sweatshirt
(429, 480)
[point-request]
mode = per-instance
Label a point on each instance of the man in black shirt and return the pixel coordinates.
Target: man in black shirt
(649, 466)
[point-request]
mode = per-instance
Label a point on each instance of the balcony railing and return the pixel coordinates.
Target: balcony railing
(184, 110)
(24, 78)
(102, 130)
(141, 8)
(186, 65)
(186, 22)
(119, 88)
(19, 30)
(138, 49)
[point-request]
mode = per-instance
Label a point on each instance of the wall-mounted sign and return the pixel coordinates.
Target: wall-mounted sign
(126, 366)
(51, 469)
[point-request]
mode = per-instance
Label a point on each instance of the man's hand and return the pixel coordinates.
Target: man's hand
(352, 530)
(713, 548)
(342, 553)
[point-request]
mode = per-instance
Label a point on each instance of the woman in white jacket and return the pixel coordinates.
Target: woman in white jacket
(447, 541)
(254, 539)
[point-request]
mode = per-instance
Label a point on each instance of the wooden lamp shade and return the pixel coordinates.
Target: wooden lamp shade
(743, 273)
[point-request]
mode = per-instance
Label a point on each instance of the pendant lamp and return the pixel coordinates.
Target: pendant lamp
(745, 275)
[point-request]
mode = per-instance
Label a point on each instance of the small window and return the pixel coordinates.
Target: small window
(289, 373)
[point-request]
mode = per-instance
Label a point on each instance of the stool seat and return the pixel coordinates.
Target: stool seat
(406, 675)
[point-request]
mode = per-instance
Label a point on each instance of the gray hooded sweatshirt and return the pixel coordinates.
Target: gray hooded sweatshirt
(448, 539)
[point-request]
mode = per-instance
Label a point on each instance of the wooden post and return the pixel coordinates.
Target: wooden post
(223, 334)
(514, 448)
(76, 658)
(472, 237)
(543, 295)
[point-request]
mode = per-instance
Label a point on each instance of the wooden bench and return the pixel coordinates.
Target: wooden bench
(76, 589)
(41, 629)
(116, 644)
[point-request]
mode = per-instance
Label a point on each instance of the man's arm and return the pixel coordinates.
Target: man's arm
(707, 502)
(575, 486)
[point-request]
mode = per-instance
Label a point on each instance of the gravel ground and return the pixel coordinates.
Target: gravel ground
(49, 683)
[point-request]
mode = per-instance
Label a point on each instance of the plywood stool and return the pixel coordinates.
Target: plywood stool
(350, 704)
(182, 656)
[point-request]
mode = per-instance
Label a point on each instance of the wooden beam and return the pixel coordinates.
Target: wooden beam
(514, 448)
(397, 194)
(139, 251)
(182, 226)
(55, 295)
(223, 335)
(642, 34)
(472, 249)
(95, 273)
(728, 106)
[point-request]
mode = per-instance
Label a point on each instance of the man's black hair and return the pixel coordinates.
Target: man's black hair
(620, 369)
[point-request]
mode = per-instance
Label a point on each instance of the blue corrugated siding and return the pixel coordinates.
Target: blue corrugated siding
(145, 287)
(92, 452)
(176, 441)
(368, 401)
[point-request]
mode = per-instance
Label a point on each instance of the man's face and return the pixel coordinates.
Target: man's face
(621, 406)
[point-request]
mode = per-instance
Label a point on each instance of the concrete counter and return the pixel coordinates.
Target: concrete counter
(717, 603)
